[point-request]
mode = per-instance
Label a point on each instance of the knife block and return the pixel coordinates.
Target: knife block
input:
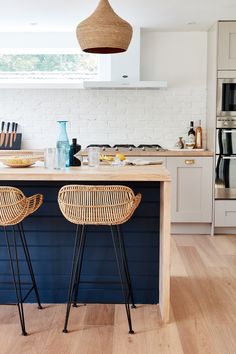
(16, 145)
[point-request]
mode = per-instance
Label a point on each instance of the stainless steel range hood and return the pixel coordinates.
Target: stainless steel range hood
(119, 71)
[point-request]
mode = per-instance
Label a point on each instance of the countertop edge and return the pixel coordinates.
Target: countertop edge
(80, 174)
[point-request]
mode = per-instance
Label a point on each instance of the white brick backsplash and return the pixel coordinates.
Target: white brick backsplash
(104, 116)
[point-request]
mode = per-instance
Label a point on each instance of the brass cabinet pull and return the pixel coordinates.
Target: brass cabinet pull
(189, 162)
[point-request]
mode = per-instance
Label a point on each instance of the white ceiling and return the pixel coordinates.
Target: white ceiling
(64, 15)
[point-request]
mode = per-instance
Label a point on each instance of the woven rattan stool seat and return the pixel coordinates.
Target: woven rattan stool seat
(97, 205)
(15, 206)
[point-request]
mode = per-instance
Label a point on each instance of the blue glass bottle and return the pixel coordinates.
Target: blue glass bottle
(63, 146)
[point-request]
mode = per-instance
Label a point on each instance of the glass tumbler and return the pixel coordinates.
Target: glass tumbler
(49, 158)
(60, 158)
(93, 156)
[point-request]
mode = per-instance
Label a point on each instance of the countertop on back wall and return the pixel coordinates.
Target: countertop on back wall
(167, 153)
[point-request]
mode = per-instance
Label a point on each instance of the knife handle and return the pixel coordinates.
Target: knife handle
(15, 130)
(12, 134)
(7, 134)
(2, 134)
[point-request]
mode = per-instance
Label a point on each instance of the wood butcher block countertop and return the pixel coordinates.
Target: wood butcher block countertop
(85, 173)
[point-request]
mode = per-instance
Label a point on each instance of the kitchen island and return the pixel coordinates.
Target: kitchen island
(50, 236)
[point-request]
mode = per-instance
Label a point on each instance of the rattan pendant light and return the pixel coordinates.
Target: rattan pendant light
(104, 32)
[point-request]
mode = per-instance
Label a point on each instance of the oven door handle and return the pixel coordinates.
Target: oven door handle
(229, 131)
(229, 157)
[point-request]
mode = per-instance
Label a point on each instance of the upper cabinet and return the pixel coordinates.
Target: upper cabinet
(227, 46)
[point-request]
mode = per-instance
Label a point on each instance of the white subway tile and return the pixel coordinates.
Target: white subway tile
(104, 116)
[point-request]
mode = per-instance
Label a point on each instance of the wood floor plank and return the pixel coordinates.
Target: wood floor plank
(100, 315)
(129, 343)
(224, 245)
(209, 291)
(160, 337)
(194, 334)
(177, 266)
(94, 340)
(208, 253)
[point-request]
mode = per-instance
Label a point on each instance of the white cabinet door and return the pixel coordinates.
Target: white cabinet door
(225, 213)
(191, 188)
(227, 46)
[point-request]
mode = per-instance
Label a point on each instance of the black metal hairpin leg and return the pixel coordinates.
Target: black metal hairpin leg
(78, 270)
(28, 260)
(122, 250)
(17, 282)
(76, 266)
(123, 279)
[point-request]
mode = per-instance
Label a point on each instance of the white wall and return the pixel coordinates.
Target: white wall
(121, 116)
(38, 40)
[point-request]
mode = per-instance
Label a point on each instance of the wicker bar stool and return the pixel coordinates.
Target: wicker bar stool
(85, 205)
(14, 208)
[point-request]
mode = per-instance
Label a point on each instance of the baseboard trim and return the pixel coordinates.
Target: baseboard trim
(191, 228)
(225, 231)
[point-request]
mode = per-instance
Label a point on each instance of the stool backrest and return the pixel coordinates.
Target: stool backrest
(98, 205)
(13, 205)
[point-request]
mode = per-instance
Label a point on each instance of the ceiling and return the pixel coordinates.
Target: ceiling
(62, 15)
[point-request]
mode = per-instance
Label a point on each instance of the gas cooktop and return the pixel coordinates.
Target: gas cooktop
(129, 147)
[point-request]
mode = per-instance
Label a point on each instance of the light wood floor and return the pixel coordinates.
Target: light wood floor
(203, 312)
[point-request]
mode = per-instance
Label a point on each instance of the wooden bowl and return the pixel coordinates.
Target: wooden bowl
(19, 161)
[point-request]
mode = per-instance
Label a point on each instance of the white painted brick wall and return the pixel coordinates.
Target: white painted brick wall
(104, 116)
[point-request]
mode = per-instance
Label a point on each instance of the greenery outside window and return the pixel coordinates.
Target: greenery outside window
(48, 68)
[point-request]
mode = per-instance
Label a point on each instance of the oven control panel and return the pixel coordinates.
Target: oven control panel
(226, 122)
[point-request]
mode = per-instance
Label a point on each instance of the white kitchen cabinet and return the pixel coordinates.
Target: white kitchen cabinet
(227, 46)
(192, 179)
(225, 213)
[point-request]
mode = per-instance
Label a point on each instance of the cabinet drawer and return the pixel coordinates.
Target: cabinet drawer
(225, 213)
(186, 161)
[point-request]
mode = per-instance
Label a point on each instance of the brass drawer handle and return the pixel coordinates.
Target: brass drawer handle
(189, 162)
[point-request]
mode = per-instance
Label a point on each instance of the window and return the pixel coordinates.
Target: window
(48, 68)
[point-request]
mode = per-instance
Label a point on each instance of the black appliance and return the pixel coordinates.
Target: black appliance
(226, 160)
(226, 100)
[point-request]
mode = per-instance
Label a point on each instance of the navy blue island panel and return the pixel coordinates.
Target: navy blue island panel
(51, 238)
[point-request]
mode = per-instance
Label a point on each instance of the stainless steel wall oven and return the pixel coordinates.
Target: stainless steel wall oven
(226, 163)
(225, 179)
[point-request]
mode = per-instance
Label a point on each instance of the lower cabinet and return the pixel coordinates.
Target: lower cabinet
(192, 189)
(225, 213)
